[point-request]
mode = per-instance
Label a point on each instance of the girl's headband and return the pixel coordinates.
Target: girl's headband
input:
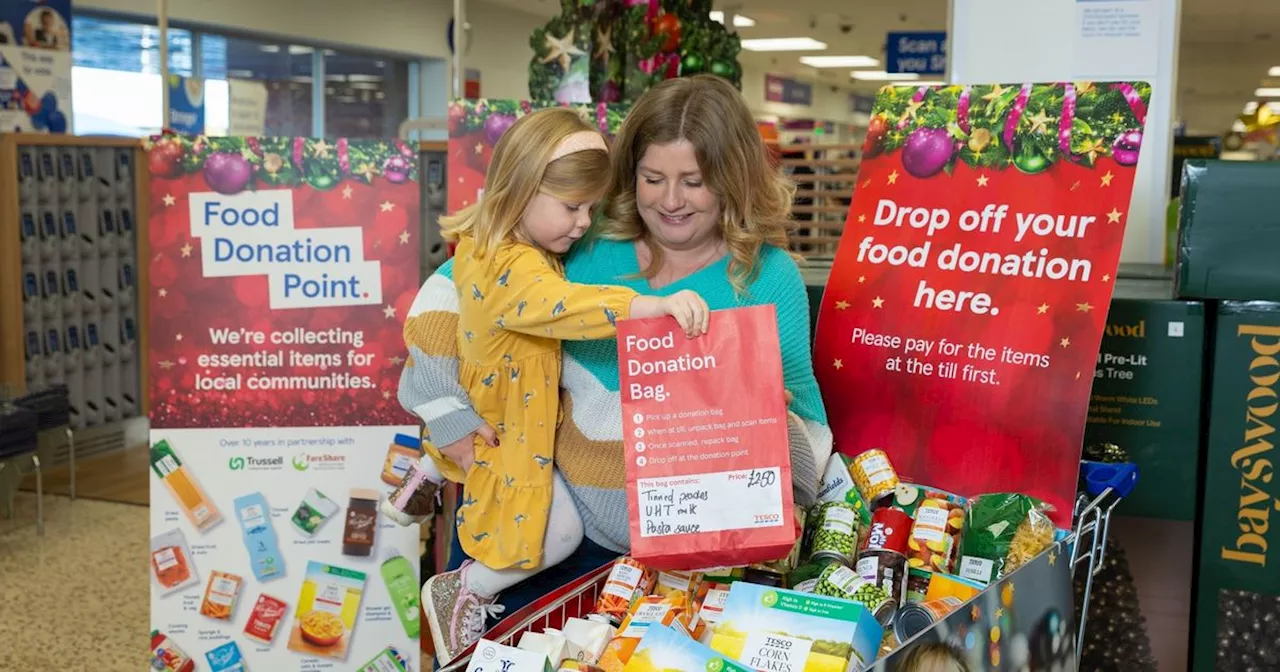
(578, 142)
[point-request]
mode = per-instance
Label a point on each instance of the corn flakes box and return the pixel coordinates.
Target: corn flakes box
(665, 648)
(788, 631)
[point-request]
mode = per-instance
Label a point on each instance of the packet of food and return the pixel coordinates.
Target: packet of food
(627, 581)
(220, 595)
(171, 565)
(1002, 532)
(225, 658)
(670, 582)
(167, 657)
(672, 610)
(588, 637)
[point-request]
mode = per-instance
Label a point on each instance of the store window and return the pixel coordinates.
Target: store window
(365, 96)
(115, 75)
(285, 70)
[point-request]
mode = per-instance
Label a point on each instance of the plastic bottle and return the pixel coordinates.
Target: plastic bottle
(402, 586)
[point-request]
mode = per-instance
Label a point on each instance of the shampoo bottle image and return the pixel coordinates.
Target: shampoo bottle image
(259, 536)
(402, 586)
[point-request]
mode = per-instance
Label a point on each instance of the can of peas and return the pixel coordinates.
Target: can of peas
(844, 583)
(835, 535)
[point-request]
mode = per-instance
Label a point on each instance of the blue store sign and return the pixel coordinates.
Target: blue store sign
(917, 53)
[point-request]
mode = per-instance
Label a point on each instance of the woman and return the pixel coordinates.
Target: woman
(694, 205)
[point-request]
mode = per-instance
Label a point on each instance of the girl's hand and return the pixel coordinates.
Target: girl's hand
(463, 451)
(690, 310)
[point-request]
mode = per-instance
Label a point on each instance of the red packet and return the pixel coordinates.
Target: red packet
(705, 433)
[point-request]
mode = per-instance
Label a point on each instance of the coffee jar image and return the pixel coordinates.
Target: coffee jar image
(362, 523)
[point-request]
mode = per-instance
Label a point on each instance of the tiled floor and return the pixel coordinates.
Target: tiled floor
(76, 598)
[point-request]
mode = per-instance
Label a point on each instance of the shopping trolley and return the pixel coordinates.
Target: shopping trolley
(1104, 486)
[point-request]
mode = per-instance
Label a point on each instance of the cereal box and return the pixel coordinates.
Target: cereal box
(787, 631)
(666, 648)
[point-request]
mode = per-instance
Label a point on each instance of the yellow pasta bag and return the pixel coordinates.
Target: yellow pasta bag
(1002, 532)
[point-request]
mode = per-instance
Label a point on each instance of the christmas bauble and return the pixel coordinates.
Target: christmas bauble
(875, 137)
(692, 64)
(979, 140)
(227, 172)
(722, 68)
(1030, 162)
(456, 115)
(322, 181)
(927, 151)
(495, 126)
(397, 169)
(668, 26)
(1125, 149)
(162, 160)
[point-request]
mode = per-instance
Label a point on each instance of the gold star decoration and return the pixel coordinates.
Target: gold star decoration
(996, 92)
(842, 305)
(1075, 185)
(862, 219)
(479, 148)
(389, 312)
(1040, 122)
(186, 250)
(561, 49)
(1113, 217)
(1044, 308)
(320, 150)
(1084, 307)
(975, 613)
(1093, 149)
(387, 206)
(1065, 342)
(604, 43)
(862, 279)
(163, 292)
(999, 612)
(346, 193)
(877, 302)
(838, 364)
(397, 360)
(1077, 375)
(893, 177)
(169, 200)
(386, 394)
(166, 364)
(404, 237)
(1106, 179)
(178, 337)
(1106, 278)
(913, 108)
(866, 184)
(367, 171)
(1053, 558)
(982, 180)
(1084, 86)
(1117, 117)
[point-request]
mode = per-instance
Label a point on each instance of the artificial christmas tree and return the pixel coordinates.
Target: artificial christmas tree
(612, 51)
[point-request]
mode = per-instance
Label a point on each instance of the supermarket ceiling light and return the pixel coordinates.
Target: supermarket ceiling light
(784, 44)
(1273, 92)
(931, 82)
(739, 21)
(1274, 71)
(839, 61)
(882, 76)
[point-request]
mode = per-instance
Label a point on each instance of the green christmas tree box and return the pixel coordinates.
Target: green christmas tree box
(1229, 231)
(1146, 400)
(1236, 615)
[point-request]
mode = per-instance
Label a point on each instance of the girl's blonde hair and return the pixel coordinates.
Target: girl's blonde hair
(933, 657)
(521, 168)
(755, 198)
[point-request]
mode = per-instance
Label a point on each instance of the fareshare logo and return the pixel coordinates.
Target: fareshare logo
(319, 462)
(251, 233)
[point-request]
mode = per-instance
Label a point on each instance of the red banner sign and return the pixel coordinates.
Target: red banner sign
(708, 468)
(965, 309)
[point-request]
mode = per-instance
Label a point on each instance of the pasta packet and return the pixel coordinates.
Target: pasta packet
(1002, 532)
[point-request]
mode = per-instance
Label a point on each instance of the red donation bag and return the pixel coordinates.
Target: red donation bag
(704, 425)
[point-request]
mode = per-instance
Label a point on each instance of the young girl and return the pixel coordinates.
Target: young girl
(514, 307)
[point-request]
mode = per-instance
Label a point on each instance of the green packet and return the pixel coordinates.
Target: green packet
(1002, 532)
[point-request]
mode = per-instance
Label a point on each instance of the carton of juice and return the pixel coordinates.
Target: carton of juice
(665, 648)
(494, 657)
(647, 612)
(177, 479)
(768, 628)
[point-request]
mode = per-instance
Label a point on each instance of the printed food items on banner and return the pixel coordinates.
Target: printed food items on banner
(708, 468)
(968, 296)
(476, 125)
(35, 66)
(281, 270)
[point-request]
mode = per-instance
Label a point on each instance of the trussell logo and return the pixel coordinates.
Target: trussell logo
(248, 462)
(323, 461)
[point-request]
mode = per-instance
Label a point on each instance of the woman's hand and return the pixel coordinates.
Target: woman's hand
(463, 451)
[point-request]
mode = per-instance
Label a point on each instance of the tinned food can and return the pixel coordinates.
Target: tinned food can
(916, 618)
(835, 535)
(890, 530)
(874, 475)
(886, 569)
(935, 535)
(917, 584)
(844, 583)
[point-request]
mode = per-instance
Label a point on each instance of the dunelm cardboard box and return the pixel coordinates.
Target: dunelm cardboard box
(1229, 231)
(1146, 399)
(1236, 618)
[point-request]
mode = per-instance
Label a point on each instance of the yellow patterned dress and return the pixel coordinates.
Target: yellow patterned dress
(512, 314)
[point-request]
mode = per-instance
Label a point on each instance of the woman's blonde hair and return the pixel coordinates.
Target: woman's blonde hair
(932, 657)
(755, 199)
(521, 168)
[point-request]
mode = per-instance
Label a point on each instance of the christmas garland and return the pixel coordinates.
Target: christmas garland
(494, 117)
(231, 165)
(1029, 127)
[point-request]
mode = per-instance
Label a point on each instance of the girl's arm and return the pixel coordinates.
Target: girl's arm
(429, 383)
(807, 428)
